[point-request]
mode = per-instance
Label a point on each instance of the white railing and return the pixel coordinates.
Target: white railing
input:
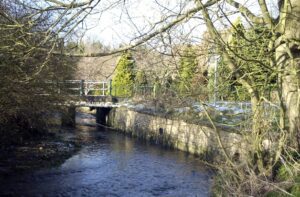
(85, 87)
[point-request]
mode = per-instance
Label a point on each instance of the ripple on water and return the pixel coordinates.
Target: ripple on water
(115, 165)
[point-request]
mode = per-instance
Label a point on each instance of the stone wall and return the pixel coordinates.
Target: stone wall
(196, 139)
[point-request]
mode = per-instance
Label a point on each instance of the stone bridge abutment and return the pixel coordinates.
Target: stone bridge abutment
(68, 117)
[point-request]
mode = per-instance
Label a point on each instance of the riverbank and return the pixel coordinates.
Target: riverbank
(113, 164)
(201, 140)
(48, 151)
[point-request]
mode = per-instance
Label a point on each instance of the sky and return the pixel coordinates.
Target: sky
(113, 23)
(120, 25)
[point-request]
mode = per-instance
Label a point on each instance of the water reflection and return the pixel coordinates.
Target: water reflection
(111, 164)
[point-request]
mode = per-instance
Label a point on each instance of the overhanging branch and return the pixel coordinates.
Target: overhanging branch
(187, 15)
(246, 12)
(70, 5)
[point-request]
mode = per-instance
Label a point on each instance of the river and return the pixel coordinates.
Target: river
(112, 164)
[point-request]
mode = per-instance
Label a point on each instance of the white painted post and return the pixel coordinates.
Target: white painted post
(103, 92)
(215, 80)
(81, 87)
(86, 89)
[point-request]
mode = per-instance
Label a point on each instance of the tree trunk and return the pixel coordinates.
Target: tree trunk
(288, 59)
(291, 98)
(257, 129)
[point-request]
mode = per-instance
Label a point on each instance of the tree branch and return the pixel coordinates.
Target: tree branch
(246, 12)
(265, 12)
(187, 15)
(70, 5)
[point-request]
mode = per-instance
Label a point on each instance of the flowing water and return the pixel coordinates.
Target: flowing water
(112, 164)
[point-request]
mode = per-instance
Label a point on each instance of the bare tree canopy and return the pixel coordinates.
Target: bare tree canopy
(255, 42)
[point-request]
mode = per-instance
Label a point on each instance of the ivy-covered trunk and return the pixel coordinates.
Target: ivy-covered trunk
(256, 139)
(288, 59)
(291, 97)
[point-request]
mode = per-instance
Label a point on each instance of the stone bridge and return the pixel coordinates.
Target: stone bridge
(101, 95)
(87, 93)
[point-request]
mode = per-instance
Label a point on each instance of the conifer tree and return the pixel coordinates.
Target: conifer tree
(248, 48)
(250, 52)
(123, 81)
(140, 82)
(141, 78)
(187, 68)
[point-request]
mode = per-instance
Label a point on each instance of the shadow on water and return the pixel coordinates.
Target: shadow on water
(111, 164)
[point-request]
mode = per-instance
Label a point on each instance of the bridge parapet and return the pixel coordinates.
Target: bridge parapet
(86, 87)
(92, 91)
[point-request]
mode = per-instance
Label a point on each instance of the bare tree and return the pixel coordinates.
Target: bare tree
(180, 26)
(283, 60)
